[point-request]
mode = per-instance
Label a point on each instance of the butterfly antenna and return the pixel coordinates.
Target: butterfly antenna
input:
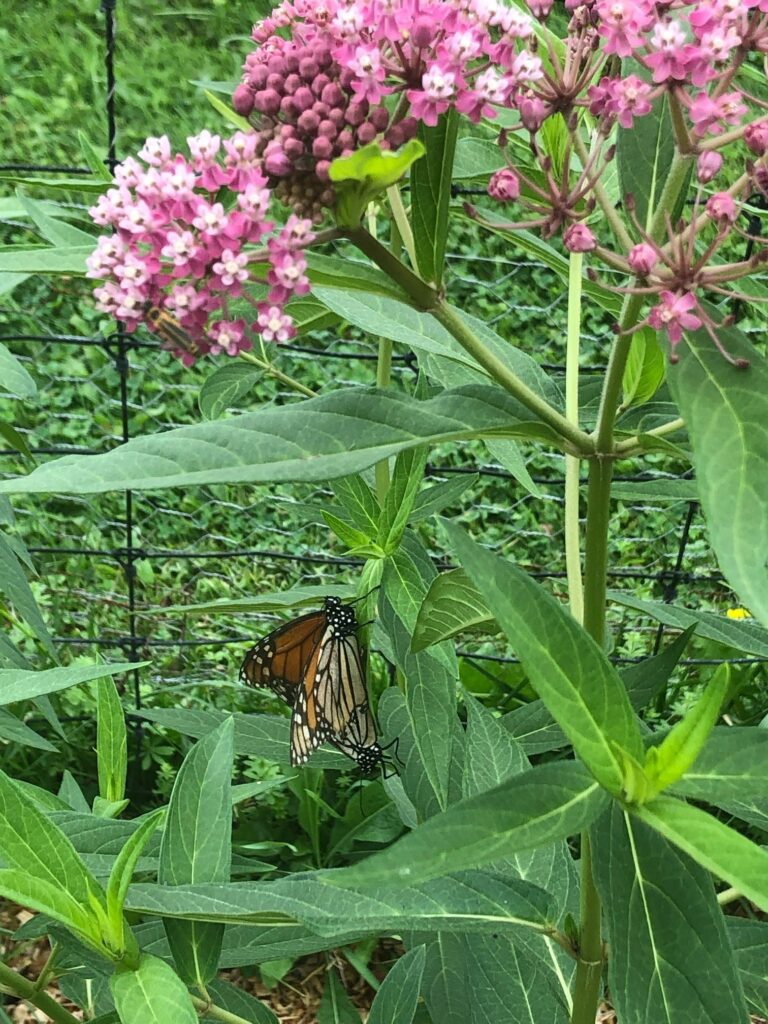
(362, 597)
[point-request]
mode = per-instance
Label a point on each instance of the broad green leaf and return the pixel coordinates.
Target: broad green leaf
(434, 499)
(431, 179)
(53, 230)
(15, 731)
(410, 790)
(226, 386)
(19, 684)
(406, 480)
(720, 849)
(255, 735)
(396, 1000)
(14, 378)
(44, 897)
(750, 946)
(477, 158)
(670, 960)
(13, 583)
(645, 679)
(468, 901)
(351, 275)
(673, 757)
(111, 742)
(451, 605)
(60, 259)
(732, 766)
(236, 1000)
(279, 600)
(534, 728)
(153, 994)
(197, 846)
(644, 371)
(322, 438)
(446, 989)
(124, 867)
(430, 676)
(744, 635)
(335, 1006)
(366, 173)
(655, 492)
(355, 540)
(546, 803)
(644, 154)
(565, 666)
(359, 502)
(726, 412)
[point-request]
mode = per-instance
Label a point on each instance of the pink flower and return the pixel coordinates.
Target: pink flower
(643, 258)
(756, 137)
(708, 165)
(231, 270)
(669, 58)
(721, 207)
(438, 90)
(673, 315)
(622, 23)
(579, 238)
(229, 336)
(504, 185)
(273, 324)
(156, 152)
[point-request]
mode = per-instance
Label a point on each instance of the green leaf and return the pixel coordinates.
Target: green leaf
(123, 868)
(451, 605)
(406, 480)
(335, 1007)
(672, 758)
(644, 371)
(318, 439)
(60, 259)
(13, 583)
(509, 455)
(644, 154)
(14, 378)
(468, 901)
(366, 173)
(15, 440)
(434, 499)
(19, 684)
(94, 158)
(725, 410)
(53, 230)
(431, 180)
(354, 539)
(197, 846)
(278, 601)
(750, 946)
(227, 112)
(742, 634)
(153, 994)
(45, 897)
(731, 767)
(226, 386)
(15, 731)
(359, 503)
(71, 793)
(720, 849)
(111, 742)
(477, 158)
(235, 1000)
(396, 1000)
(346, 274)
(655, 491)
(670, 960)
(540, 806)
(565, 666)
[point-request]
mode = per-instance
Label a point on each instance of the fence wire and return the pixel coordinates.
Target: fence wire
(119, 560)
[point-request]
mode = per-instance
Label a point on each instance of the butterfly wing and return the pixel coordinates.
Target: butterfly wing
(280, 659)
(343, 700)
(309, 724)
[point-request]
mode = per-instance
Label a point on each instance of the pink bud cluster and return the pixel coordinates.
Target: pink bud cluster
(176, 246)
(355, 71)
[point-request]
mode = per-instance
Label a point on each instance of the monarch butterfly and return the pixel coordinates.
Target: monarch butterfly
(314, 664)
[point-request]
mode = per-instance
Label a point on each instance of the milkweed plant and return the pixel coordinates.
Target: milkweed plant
(564, 855)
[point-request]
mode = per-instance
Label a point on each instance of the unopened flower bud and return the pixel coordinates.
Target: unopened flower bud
(533, 112)
(303, 98)
(579, 238)
(322, 148)
(277, 163)
(642, 259)
(308, 69)
(423, 31)
(366, 133)
(242, 100)
(504, 185)
(267, 101)
(708, 165)
(540, 8)
(332, 94)
(379, 118)
(308, 122)
(756, 137)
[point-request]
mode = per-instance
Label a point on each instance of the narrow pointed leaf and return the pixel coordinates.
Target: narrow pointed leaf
(335, 1006)
(18, 684)
(14, 378)
(396, 1000)
(431, 179)
(111, 742)
(733, 766)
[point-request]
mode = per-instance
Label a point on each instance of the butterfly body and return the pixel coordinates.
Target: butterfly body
(315, 665)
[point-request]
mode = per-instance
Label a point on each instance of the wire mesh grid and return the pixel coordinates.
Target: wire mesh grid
(119, 560)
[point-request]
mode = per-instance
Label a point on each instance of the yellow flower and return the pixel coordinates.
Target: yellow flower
(738, 613)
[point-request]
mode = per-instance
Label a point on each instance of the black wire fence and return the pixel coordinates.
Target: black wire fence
(119, 560)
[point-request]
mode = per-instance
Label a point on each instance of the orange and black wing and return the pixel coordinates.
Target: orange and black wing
(280, 659)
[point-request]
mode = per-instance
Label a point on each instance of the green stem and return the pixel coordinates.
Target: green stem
(401, 223)
(728, 896)
(607, 205)
(614, 376)
(589, 966)
(383, 371)
(273, 371)
(572, 462)
(11, 981)
(217, 1012)
(631, 445)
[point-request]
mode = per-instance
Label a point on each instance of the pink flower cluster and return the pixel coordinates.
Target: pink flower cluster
(176, 246)
(354, 71)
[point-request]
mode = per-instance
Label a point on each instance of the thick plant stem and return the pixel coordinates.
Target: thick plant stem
(572, 462)
(11, 981)
(218, 1012)
(383, 371)
(589, 966)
